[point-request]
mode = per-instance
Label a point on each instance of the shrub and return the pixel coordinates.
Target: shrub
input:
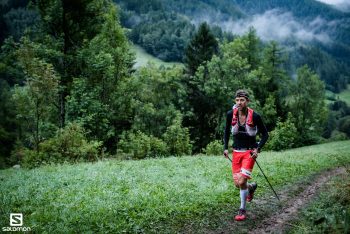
(214, 148)
(32, 158)
(138, 145)
(284, 136)
(344, 125)
(338, 136)
(69, 144)
(177, 138)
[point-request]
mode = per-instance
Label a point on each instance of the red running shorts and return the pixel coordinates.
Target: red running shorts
(242, 164)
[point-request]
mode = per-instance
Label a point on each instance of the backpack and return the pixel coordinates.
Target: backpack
(251, 130)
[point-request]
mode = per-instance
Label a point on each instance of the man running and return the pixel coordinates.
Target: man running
(245, 124)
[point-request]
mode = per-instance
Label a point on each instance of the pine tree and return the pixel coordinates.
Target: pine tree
(252, 41)
(201, 48)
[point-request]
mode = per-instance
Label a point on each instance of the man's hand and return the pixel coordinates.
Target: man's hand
(254, 154)
(226, 153)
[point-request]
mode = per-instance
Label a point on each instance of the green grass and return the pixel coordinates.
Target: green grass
(343, 95)
(154, 195)
(143, 58)
(329, 212)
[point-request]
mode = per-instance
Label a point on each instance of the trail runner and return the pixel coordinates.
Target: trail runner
(244, 124)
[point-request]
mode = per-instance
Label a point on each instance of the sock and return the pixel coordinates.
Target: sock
(243, 195)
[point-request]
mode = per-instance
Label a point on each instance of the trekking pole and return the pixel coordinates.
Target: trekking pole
(267, 180)
(264, 176)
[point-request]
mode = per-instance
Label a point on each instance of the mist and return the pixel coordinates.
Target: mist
(276, 25)
(342, 5)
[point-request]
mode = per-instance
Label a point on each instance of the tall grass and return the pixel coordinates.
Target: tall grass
(154, 195)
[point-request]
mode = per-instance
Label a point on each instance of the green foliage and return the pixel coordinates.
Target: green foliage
(69, 144)
(163, 34)
(73, 34)
(306, 101)
(18, 20)
(344, 125)
(214, 148)
(331, 125)
(177, 138)
(252, 45)
(276, 85)
(13, 18)
(83, 41)
(338, 136)
(336, 127)
(8, 124)
(138, 145)
(202, 47)
(85, 106)
(141, 7)
(105, 60)
(150, 100)
(35, 102)
(332, 71)
(195, 8)
(10, 69)
(165, 28)
(269, 112)
(284, 136)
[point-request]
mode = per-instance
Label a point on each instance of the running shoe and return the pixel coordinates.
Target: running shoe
(241, 215)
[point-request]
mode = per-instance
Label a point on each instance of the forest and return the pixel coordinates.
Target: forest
(70, 92)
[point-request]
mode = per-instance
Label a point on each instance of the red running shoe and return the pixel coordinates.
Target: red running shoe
(251, 190)
(241, 215)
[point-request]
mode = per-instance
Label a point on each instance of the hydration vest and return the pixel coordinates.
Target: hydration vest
(250, 129)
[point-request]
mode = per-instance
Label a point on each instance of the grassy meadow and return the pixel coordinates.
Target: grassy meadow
(143, 58)
(343, 96)
(154, 195)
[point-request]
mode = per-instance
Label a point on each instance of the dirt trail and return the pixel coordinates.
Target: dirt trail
(279, 221)
(268, 215)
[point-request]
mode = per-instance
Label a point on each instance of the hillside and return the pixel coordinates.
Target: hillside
(310, 32)
(164, 29)
(176, 194)
(303, 9)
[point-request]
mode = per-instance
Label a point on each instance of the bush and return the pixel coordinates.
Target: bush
(214, 148)
(69, 144)
(284, 136)
(344, 125)
(33, 159)
(338, 136)
(177, 138)
(139, 145)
